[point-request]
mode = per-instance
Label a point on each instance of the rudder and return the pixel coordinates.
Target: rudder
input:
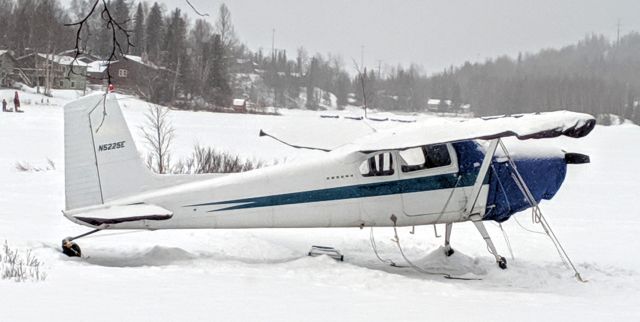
(101, 159)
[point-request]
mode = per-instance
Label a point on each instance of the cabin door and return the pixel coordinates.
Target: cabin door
(429, 178)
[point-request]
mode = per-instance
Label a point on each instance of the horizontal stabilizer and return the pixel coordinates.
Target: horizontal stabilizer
(109, 215)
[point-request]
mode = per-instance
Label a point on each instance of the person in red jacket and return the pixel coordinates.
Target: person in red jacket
(16, 102)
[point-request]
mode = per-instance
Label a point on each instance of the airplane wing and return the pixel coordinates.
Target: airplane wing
(332, 134)
(522, 126)
(439, 130)
(108, 215)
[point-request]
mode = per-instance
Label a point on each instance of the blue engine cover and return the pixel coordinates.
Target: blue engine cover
(543, 176)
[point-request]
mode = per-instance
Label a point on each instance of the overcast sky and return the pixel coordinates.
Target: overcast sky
(434, 34)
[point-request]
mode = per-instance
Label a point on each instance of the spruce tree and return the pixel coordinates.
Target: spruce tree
(219, 91)
(153, 34)
(121, 16)
(175, 47)
(312, 101)
(138, 32)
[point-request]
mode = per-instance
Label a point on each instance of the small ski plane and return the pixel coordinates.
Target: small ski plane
(414, 174)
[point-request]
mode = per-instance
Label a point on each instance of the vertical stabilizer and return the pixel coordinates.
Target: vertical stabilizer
(101, 159)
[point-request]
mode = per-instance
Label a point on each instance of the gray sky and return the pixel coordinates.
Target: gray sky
(434, 34)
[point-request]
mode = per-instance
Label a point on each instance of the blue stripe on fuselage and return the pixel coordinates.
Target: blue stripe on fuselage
(427, 183)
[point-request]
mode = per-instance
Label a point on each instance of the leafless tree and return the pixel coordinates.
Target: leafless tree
(158, 134)
(209, 160)
(362, 77)
(224, 27)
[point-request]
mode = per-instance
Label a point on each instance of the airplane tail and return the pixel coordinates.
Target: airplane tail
(101, 159)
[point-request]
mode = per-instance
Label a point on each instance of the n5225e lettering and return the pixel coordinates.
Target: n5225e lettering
(111, 146)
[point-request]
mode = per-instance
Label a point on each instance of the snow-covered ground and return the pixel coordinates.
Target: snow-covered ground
(265, 275)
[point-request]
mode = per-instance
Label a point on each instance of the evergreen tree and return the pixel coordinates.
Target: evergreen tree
(121, 15)
(342, 89)
(176, 58)
(138, 32)
(200, 43)
(5, 24)
(21, 25)
(312, 100)
(153, 33)
(220, 91)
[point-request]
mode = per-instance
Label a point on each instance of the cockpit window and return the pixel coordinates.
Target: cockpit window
(425, 157)
(437, 156)
(378, 165)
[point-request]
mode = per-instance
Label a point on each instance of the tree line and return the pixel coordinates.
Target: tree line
(595, 76)
(211, 66)
(199, 56)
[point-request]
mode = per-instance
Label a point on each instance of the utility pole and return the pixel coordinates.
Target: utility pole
(361, 56)
(379, 66)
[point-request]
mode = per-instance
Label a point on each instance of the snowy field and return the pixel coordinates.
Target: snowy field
(265, 275)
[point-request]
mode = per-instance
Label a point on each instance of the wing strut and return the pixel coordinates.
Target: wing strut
(522, 185)
(473, 199)
(537, 214)
(484, 169)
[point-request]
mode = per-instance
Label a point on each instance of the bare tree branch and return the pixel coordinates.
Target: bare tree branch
(196, 10)
(158, 133)
(110, 24)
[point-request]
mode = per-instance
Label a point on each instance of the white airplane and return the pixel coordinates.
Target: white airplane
(409, 176)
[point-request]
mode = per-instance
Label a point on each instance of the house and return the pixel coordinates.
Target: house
(96, 71)
(132, 74)
(438, 105)
(83, 57)
(240, 104)
(10, 73)
(244, 66)
(63, 72)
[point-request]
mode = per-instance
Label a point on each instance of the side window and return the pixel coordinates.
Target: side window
(378, 165)
(425, 157)
(437, 156)
(414, 159)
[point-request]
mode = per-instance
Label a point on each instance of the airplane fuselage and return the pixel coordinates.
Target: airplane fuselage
(330, 191)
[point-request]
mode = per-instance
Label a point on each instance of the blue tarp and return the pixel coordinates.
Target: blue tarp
(543, 177)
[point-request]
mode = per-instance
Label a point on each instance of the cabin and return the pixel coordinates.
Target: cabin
(240, 105)
(96, 71)
(65, 72)
(438, 105)
(130, 74)
(83, 57)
